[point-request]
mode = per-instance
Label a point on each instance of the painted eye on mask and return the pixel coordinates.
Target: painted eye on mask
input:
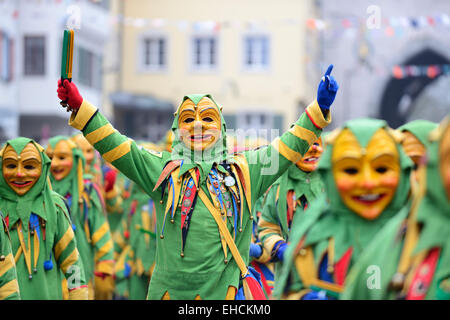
(351, 171)
(189, 120)
(381, 170)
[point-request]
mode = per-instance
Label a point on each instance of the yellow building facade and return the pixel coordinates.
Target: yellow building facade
(251, 55)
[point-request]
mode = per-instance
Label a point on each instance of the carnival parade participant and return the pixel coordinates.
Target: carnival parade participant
(42, 239)
(415, 142)
(412, 252)
(136, 261)
(88, 215)
(366, 178)
(9, 287)
(105, 179)
(260, 258)
(288, 196)
(197, 180)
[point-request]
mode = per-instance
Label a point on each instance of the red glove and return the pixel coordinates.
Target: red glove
(110, 180)
(70, 93)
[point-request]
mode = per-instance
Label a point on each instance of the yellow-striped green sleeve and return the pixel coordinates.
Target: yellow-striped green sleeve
(9, 287)
(101, 238)
(66, 253)
(138, 164)
(268, 163)
(269, 230)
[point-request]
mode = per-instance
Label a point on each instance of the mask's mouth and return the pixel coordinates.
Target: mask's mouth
(58, 173)
(311, 160)
(21, 184)
(200, 137)
(369, 198)
(57, 170)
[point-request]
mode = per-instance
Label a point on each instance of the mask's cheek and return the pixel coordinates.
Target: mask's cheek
(67, 165)
(35, 174)
(344, 185)
(185, 136)
(390, 181)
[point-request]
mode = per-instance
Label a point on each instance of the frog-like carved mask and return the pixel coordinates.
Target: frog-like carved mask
(21, 172)
(310, 160)
(366, 178)
(86, 147)
(62, 159)
(199, 125)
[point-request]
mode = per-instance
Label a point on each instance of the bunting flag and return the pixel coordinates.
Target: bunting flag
(430, 71)
(390, 25)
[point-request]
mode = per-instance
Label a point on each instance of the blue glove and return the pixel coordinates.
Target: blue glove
(280, 251)
(127, 270)
(105, 169)
(255, 250)
(328, 88)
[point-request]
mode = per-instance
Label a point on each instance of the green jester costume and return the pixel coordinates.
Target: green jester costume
(42, 238)
(137, 258)
(412, 252)
(288, 196)
(196, 190)
(327, 240)
(89, 220)
(9, 287)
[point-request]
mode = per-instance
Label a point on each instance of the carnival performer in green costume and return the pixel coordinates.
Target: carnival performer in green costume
(105, 180)
(366, 177)
(137, 249)
(290, 194)
(410, 257)
(88, 215)
(193, 259)
(415, 143)
(136, 261)
(38, 220)
(9, 287)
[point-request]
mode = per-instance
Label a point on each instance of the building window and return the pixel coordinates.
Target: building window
(6, 57)
(154, 52)
(204, 52)
(256, 52)
(254, 120)
(34, 55)
(89, 68)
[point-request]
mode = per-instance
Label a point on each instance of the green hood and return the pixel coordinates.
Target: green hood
(420, 129)
(341, 222)
(20, 207)
(434, 209)
(433, 215)
(203, 160)
(304, 183)
(71, 183)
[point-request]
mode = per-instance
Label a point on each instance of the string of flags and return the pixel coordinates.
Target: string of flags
(392, 23)
(391, 26)
(430, 71)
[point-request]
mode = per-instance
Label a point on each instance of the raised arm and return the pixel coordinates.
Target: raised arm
(140, 165)
(267, 164)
